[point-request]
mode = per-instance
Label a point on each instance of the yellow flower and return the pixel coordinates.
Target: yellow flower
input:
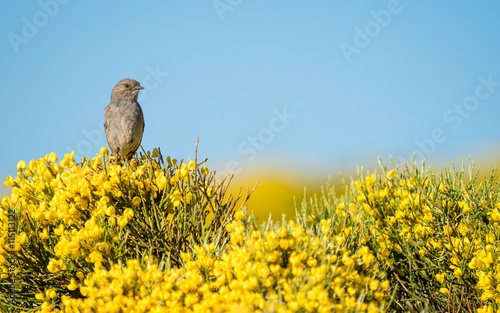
(484, 280)
(441, 187)
(136, 201)
(464, 206)
(347, 260)
(282, 232)
(51, 293)
(363, 250)
(44, 234)
(392, 174)
(495, 214)
(105, 152)
(352, 206)
(440, 277)
(21, 165)
(52, 267)
(122, 221)
(386, 285)
(21, 238)
(339, 291)
(488, 294)
(392, 220)
(204, 171)
(95, 257)
(59, 230)
(184, 171)
(284, 244)
(52, 158)
(192, 165)
(458, 272)
(444, 290)
(485, 309)
(9, 182)
(312, 262)
(32, 165)
(186, 257)
(73, 285)
(189, 197)
(110, 211)
(368, 258)
(374, 284)
(176, 198)
(240, 215)
(273, 256)
(474, 263)
(128, 213)
(39, 296)
(80, 275)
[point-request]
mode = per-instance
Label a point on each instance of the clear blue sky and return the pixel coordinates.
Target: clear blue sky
(320, 85)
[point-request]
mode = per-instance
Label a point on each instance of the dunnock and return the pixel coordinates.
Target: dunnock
(124, 121)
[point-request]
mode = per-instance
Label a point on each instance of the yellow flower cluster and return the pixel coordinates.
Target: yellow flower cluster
(73, 216)
(411, 241)
(74, 203)
(432, 229)
(284, 270)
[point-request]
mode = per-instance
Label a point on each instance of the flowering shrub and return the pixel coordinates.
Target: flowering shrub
(72, 218)
(281, 270)
(434, 235)
(163, 237)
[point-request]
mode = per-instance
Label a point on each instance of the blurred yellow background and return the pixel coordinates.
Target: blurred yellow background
(276, 190)
(277, 187)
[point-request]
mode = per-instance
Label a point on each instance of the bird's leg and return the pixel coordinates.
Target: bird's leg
(117, 158)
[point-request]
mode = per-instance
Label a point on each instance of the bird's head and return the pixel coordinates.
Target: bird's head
(126, 89)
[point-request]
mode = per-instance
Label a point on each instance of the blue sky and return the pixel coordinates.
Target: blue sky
(315, 86)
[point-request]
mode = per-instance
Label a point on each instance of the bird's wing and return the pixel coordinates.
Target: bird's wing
(143, 122)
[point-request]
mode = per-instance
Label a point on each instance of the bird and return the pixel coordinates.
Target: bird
(124, 120)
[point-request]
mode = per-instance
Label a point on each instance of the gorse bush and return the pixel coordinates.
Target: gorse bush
(73, 218)
(435, 235)
(165, 237)
(283, 269)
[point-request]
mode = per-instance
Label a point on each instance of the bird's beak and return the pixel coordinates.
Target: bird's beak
(138, 87)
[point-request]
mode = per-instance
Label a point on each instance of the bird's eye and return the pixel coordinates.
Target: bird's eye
(126, 85)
